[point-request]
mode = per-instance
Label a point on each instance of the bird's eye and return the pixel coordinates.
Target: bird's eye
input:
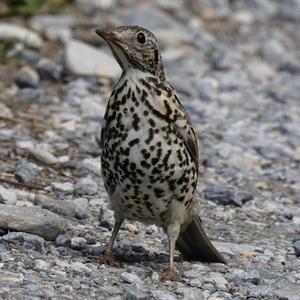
(141, 38)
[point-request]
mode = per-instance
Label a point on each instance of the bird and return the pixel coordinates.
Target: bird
(149, 150)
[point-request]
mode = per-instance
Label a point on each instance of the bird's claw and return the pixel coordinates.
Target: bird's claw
(169, 275)
(109, 259)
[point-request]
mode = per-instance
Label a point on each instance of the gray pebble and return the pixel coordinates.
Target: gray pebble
(86, 186)
(63, 240)
(136, 292)
(296, 247)
(24, 172)
(59, 207)
(27, 78)
(162, 295)
(48, 69)
(129, 277)
(227, 195)
(252, 276)
(33, 220)
(5, 112)
(78, 243)
(26, 240)
(7, 196)
(43, 155)
(93, 61)
(66, 187)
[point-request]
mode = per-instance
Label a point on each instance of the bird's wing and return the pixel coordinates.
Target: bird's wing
(183, 126)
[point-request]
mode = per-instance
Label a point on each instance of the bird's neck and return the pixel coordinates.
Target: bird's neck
(134, 76)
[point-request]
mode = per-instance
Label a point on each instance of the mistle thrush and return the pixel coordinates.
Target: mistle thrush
(149, 150)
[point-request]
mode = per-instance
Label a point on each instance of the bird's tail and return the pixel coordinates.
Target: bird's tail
(194, 244)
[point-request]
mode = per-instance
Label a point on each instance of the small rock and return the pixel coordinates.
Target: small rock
(296, 238)
(109, 290)
(24, 172)
(155, 276)
(289, 10)
(162, 295)
(27, 78)
(91, 165)
(31, 56)
(296, 247)
(8, 278)
(15, 33)
(191, 294)
(136, 292)
(59, 207)
(86, 186)
(232, 249)
(7, 196)
(5, 112)
(48, 69)
(219, 281)
(207, 88)
(273, 51)
(78, 243)
(63, 240)
(41, 265)
(66, 187)
(191, 274)
(32, 220)
(81, 205)
(92, 60)
(90, 107)
(43, 155)
(26, 240)
(287, 294)
(27, 145)
(31, 94)
(132, 228)
(129, 277)
(252, 276)
(227, 195)
(54, 27)
(80, 267)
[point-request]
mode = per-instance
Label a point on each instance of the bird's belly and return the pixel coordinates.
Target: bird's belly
(151, 169)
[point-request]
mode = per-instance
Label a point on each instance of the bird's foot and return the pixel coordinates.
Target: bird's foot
(169, 274)
(109, 259)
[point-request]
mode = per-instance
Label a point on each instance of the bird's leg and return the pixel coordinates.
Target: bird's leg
(173, 232)
(108, 257)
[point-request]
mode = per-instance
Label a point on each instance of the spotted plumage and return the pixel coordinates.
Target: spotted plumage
(149, 148)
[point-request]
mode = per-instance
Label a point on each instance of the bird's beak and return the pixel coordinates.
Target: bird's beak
(107, 35)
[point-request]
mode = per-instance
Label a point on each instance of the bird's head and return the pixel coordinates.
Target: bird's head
(134, 47)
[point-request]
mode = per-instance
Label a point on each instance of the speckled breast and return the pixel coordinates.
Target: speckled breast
(145, 164)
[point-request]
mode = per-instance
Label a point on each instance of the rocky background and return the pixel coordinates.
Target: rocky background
(236, 67)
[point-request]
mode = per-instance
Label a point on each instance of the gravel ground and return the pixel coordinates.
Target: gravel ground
(236, 67)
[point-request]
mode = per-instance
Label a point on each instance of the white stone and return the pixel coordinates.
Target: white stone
(13, 32)
(92, 165)
(66, 187)
(82, 59)
(43, 155)
(129, 277)
(7, 196)
(5, 112)
(80, 267)
(27, 145)
(41, 265)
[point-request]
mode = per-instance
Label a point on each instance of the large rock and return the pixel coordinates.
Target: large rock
(82, 59)
(32, 220)
(26, 240)
(59, 207)
(16, 33)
